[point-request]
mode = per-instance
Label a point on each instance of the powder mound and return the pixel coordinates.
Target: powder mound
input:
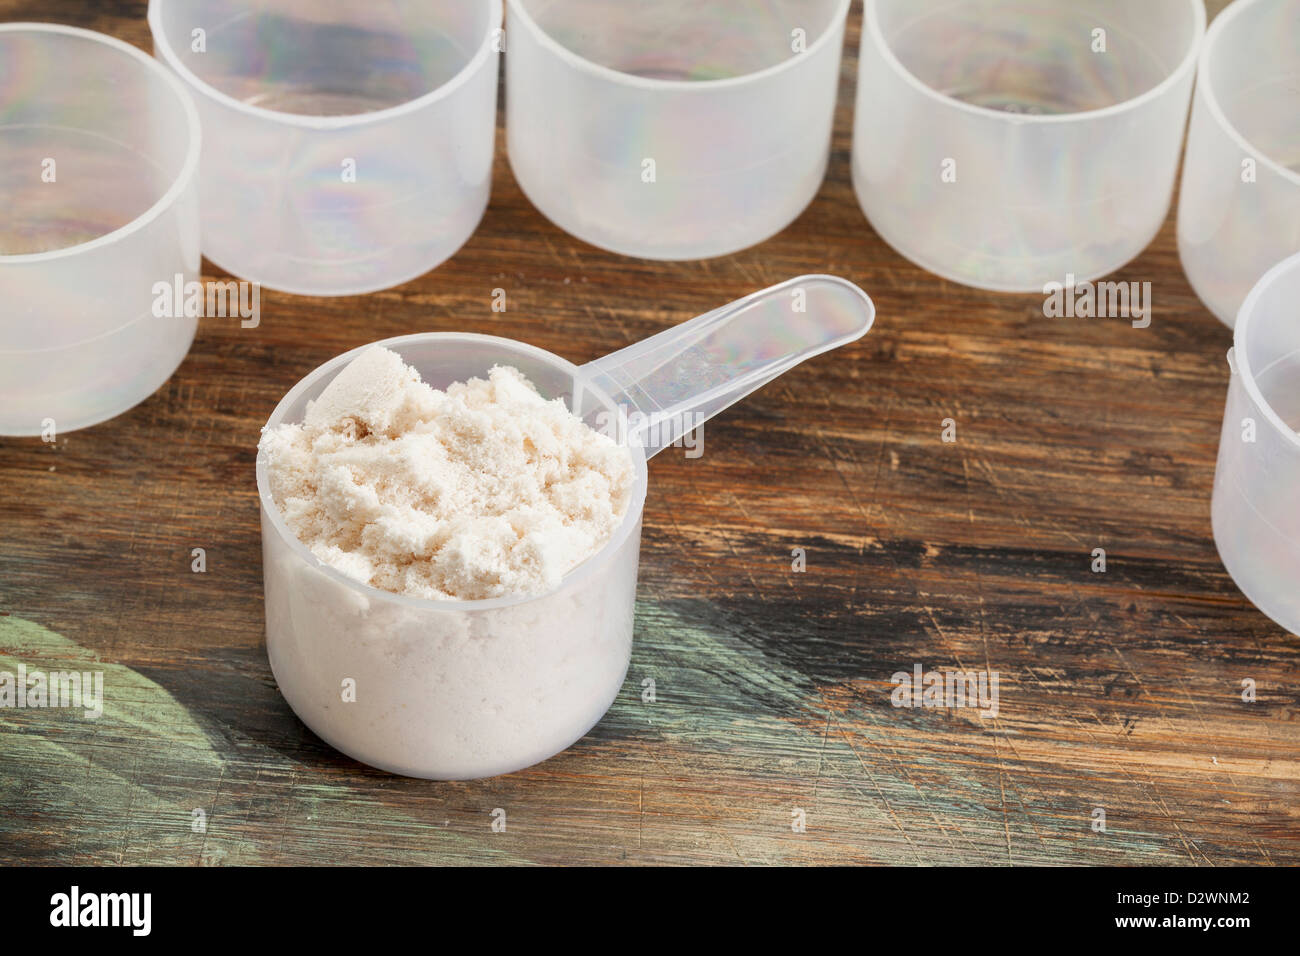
(482, 491)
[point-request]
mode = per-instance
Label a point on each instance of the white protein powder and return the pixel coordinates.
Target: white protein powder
(480, 491)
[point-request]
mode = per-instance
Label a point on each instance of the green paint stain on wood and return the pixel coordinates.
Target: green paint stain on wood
(124, 787)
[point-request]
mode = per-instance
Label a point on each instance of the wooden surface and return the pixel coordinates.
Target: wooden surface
(1119, 690)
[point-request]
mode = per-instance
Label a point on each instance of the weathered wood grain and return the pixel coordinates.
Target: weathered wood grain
(1119, 690)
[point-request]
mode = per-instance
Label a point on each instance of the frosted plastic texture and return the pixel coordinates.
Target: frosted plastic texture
(99, 150)
(1256, 506)
(450, 690)
(1239, 208)
(701, 367)
(736, 122)
(347, 147)
(1006, 144)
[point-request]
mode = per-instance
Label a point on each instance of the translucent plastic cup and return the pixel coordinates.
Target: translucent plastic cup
(1239, 209)
(1006, 144)
(347, 146)
(99, 151)
(679, 130)
(464, 689)
(1256, 507)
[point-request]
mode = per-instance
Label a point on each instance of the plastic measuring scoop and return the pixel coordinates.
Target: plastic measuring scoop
(99, 160)
(464, 689)
(347, 147)
(1239, 206)
(1254, 509)
(692, 131)
(1008, 144)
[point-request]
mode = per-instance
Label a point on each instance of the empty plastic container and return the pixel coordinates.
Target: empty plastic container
(682, 130)
(347, 146)
(1239, 209)
(1008, 144)
(99, 150)
(455, 690)
(1256, 508)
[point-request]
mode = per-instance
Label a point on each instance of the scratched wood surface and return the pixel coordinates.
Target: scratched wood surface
(1119, 691)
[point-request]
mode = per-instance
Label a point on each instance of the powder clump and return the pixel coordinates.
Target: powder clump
(480, 491)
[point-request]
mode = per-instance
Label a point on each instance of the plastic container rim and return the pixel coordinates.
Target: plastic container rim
(162, 44)
(580, 62)
(871, 29)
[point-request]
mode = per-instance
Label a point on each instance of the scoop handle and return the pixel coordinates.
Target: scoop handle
(682, 377)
